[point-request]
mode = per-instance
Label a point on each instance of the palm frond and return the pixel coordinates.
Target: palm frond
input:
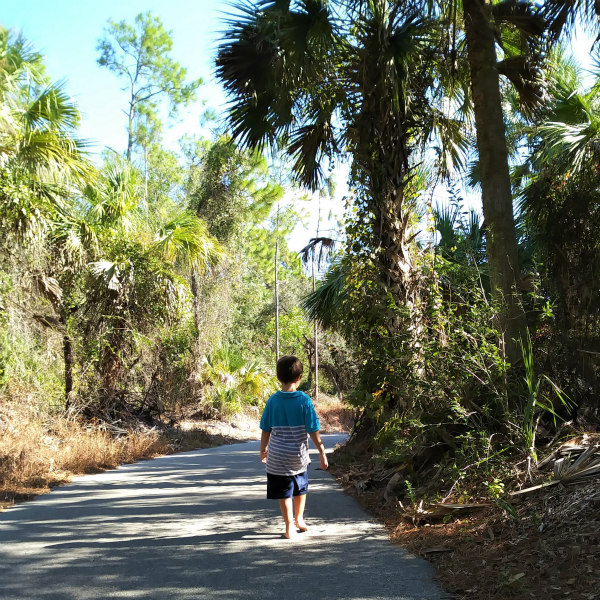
(74, 235)
(185, 239)
(562, 15)
(571, 143)
(308, 145)
(107, 272)
(326, 304)
(326, 246)
(53, 109)
(525, 74)
(525, 17)
(447, 218)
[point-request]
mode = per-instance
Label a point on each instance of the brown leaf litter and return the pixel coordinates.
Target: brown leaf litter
(543, 544)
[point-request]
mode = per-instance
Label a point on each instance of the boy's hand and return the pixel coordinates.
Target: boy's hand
(324, 462)
(264, 445)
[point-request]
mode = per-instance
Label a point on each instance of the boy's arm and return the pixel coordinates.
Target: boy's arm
(264, 442)
(315, 436)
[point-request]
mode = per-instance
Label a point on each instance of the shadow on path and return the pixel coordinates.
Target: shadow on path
(198, 526)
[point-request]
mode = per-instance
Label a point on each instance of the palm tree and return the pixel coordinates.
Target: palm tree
(135, 279)
(358, 76)
(42, 161)
(483, 21)
(329, 80)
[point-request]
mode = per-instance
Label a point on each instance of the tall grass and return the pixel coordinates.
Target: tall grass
(40, 450)
(537, 403)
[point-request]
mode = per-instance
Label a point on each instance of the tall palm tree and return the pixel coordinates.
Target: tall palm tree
(327, 79)
(483, 21)
(355, 76)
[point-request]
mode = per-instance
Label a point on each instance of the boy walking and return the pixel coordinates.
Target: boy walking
(287, 421)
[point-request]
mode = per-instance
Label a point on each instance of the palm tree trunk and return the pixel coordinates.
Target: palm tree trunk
(501, 241)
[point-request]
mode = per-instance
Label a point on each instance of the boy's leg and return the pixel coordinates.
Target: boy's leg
(299, 504)
(286, 506)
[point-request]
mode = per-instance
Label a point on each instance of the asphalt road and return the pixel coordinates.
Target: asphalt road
(197, 526)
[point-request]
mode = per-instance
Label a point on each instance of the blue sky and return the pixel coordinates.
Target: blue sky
(66, 32)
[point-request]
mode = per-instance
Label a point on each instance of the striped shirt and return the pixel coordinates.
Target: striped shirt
(289, 417)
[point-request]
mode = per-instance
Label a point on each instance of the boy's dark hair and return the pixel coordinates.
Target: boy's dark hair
(289, 369)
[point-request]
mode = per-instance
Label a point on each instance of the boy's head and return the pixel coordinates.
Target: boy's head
(289, 369)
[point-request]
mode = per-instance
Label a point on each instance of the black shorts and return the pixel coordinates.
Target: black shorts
(286, 486)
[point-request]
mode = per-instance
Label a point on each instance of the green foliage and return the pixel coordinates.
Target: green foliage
(233, 382)
(537, 403)
(295, 329)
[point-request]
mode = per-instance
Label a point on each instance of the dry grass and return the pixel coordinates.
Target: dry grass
(334, 415)
(39, 451)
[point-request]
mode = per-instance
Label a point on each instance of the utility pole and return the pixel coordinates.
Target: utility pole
(314, 287)
(277, 285)
(146, 174)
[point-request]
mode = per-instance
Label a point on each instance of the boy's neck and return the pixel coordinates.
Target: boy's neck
(290, 387)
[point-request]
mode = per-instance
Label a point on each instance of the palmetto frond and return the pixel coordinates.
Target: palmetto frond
(571, 133)
(52, 155)
(575, 144)
(562, 15)
(326, 304)
(115, 197)
(19, 63)
(43, 139)
(325, 245)
(108, 272)
(452, 143)
(51, 109)
(74, 236)
(447, 219)
(185, 239)
(273, 64)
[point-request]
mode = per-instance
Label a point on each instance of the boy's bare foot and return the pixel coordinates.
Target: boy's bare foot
(301, 525)
(290, 534)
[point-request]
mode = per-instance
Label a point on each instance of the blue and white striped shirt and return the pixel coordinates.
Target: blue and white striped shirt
(289, 417)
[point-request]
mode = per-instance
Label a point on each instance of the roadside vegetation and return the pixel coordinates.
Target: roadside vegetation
(157, 288)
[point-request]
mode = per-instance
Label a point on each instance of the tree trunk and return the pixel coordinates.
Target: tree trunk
(68, 358)
(501, 241)
(316, 336)
(130, 118)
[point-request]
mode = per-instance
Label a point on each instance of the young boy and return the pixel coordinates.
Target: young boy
(287, 421)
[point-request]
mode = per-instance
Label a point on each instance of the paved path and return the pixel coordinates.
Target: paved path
(197, 526)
